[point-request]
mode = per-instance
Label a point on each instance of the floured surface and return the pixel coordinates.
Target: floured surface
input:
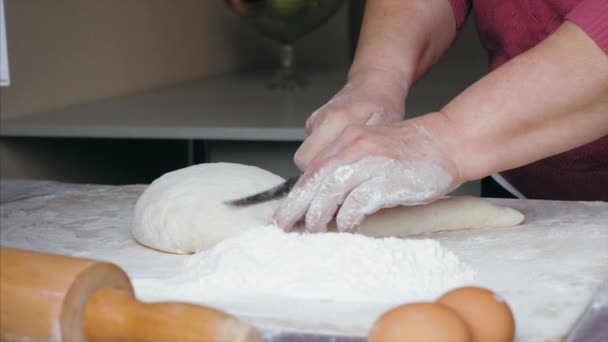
(346, 268)
(547, 269)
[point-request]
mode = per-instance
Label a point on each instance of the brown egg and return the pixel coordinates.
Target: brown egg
(487, 315)
(420, 322)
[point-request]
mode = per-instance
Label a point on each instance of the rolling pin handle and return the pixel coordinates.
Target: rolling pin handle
(113, 315)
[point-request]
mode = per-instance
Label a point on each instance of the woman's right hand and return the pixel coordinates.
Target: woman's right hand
(371, 97)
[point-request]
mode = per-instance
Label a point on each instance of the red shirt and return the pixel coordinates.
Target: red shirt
(510, 27)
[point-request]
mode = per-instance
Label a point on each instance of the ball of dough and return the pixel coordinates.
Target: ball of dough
(184, 212)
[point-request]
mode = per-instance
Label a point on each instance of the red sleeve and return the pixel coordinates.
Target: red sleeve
(592, 17)
(461, 11)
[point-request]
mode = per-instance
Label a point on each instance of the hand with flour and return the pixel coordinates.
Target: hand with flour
(359, 158)
(370, 97)
(369, 168)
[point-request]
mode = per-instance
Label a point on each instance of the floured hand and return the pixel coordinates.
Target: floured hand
(370, 97)
(366, 169)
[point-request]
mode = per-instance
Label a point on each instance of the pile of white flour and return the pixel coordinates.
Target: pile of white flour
(342, 267)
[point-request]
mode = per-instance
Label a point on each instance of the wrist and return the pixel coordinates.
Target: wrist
(387, 76)
(445, 145)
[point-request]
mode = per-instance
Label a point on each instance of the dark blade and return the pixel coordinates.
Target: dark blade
(271, 194)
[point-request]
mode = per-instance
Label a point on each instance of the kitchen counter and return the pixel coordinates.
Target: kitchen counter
(547, 269)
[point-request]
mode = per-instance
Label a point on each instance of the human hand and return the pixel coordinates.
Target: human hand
(368, 168)
(370, 97)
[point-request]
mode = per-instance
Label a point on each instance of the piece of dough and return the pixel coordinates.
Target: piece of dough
(446, 214)
(184, 212)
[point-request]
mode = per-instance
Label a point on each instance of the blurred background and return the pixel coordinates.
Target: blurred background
(120, 92)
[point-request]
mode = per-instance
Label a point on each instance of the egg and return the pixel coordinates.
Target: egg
(487, 315)
(420, 322)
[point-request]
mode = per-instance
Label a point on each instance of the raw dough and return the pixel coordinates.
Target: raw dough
(184, 212)
(446, 214)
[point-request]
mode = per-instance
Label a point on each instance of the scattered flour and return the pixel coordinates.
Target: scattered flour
(265, 261)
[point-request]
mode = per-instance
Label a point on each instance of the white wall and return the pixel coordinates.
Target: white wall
(66, 52)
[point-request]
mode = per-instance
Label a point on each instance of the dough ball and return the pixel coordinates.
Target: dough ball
(184, 212)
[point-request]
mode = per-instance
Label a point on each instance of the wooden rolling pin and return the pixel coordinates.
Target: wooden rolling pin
(45, 297)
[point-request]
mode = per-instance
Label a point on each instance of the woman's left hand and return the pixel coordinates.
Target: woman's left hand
(368, 168)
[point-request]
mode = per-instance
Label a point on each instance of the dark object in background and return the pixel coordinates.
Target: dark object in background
(285, 21)
(355, 18)
(99, 161)
(490, 188)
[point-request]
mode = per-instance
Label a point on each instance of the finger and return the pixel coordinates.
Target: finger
(299, 199)
(331, 194)
(313, 120)
(321, 138)
(315, 143)
(295, 205)
(322, 116)
(362, 201)
(319, 116)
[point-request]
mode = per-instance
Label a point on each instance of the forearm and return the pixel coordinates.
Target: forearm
(404, 37)
(550, 99)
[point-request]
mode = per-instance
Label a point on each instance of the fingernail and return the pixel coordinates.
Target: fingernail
(277, 222)
(349, 229)
(316, 229)
(351, 226)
